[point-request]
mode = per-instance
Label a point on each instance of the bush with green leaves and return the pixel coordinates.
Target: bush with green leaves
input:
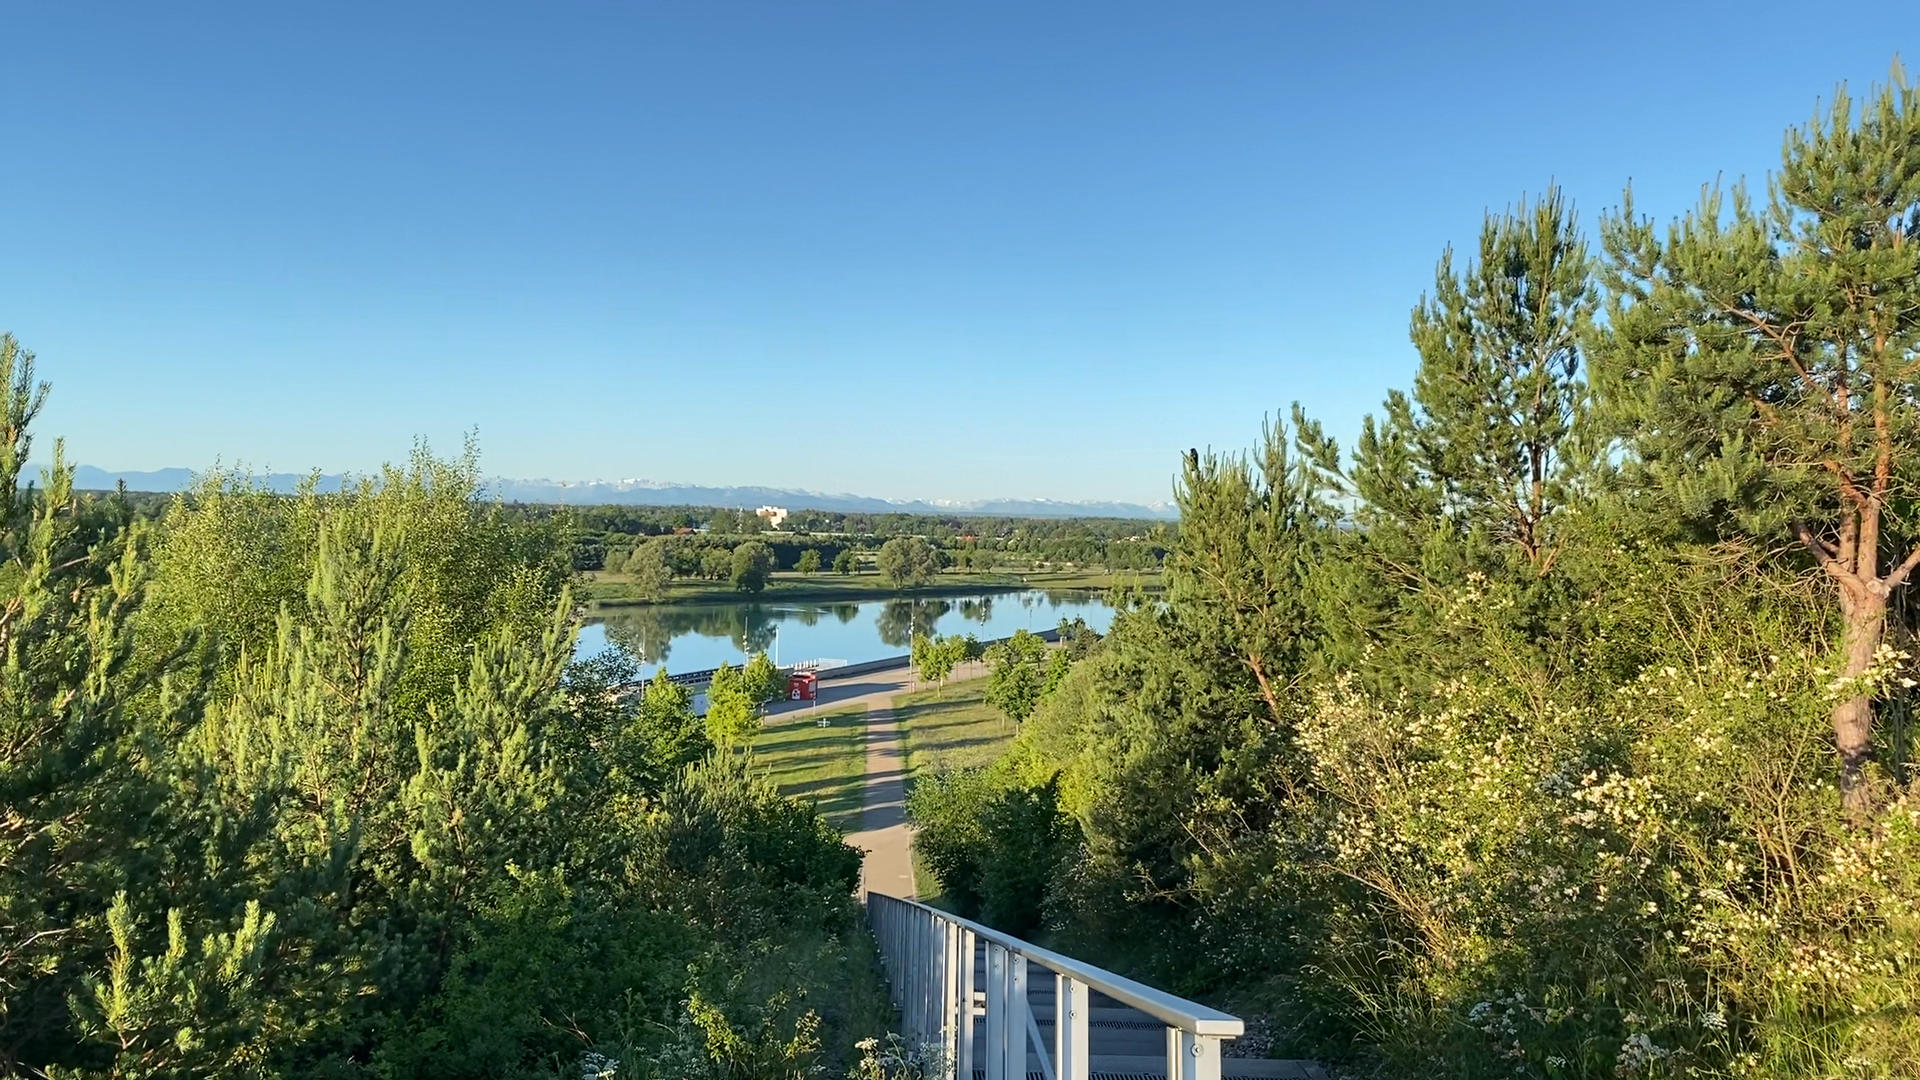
(310, 786)
(996, 849)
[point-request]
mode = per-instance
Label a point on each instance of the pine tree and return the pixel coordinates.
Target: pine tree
(1487, 441)
(1249, 531)
(116, 946)
(1763, 361)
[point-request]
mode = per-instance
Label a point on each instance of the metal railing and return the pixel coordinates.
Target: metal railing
(933, 964)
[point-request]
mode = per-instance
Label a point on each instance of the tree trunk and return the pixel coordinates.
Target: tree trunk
(1865, 615)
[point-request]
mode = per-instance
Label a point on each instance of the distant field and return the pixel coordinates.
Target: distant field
(954, 728)
(603, 589)
(827, 765)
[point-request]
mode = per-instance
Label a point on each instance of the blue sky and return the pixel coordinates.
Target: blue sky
(911, 250)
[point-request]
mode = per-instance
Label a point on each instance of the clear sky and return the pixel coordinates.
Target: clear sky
(914, 250)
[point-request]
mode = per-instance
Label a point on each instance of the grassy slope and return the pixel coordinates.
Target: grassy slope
(827, 765)
(602, 589)
(954, 728)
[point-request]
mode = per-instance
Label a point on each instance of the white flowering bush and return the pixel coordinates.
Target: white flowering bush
(1437, 811)
(897, 1058)
(1654, 882)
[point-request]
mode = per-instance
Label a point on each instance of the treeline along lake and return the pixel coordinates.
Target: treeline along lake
(694, 637)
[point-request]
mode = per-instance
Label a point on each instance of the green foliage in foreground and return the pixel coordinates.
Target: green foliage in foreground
(995, 848)
(309, 788)
(1562, 729)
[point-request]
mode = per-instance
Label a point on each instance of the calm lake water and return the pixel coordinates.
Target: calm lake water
(694, 637)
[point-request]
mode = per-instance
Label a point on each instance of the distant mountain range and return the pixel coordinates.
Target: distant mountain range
(654, 493)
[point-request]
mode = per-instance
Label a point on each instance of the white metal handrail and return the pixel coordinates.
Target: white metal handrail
(929, 956)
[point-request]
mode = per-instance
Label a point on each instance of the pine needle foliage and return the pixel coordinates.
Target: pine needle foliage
(311, 786)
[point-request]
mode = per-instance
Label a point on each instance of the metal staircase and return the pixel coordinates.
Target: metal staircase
(1004, 1009)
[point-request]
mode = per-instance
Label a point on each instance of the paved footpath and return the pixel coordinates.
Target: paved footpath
(884, 833)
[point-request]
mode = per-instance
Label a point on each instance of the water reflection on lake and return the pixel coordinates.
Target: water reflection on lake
(693, 637)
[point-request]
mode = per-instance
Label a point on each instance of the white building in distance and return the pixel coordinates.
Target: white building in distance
(772, 515)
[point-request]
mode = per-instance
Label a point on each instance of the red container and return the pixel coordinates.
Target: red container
(803, 686)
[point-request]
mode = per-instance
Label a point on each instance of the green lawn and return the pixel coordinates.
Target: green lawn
(954, 728)
(1148, 580)
(825, 764)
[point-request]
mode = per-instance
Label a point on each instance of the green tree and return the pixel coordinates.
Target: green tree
(1016, 674)
(908, 560)
(996, 850)
(935, 658)
(1485, 442)
(664, 735)
(716, 563)
(1249, 532)
(809, 561)
(969, 649)
(844, 562)
(1766, 360)
(732, 718)
(752, 566)
(649, 570)
(85, 785)
(763, 680)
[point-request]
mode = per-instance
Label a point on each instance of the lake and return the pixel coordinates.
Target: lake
(694, 637)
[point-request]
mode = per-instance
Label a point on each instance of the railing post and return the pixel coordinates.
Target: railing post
(996, 1047)
(963, 1052)
(1019, 1015)
(949, 992)
(927, 975)
(1070, 1028)
(929, 959)
(929, 978)
(910, 1018)
(1192, 1057)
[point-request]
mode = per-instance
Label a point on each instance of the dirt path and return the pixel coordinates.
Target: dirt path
(884, 834)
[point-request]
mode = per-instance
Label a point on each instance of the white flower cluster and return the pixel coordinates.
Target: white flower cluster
(897, 1059)
(595, 1065)
(1639, 1054)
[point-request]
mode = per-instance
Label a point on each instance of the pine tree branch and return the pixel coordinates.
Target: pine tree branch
(1823, 552)
(1902, 572)
(1782, 338)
